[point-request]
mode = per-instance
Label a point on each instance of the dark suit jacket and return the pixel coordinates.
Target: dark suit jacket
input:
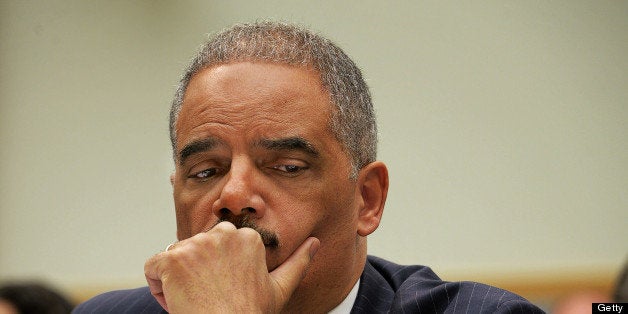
(385, 287)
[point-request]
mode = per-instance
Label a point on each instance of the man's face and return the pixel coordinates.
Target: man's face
(253, 140)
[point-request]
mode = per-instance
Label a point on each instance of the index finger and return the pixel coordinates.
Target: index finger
(153, 278)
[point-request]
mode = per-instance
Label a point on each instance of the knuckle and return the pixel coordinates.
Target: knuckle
(249, 237)
(223, 226)
(249, 234)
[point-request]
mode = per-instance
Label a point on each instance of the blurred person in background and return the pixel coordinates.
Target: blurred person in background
(32, 298)
(621, 288)
(579, 302)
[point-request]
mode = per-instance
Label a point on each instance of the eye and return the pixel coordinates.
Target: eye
(289, 168)
(205, 174)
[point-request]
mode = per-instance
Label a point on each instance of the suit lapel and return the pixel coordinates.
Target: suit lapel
(375, 294)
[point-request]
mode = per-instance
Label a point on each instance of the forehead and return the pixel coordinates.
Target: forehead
(254, 97)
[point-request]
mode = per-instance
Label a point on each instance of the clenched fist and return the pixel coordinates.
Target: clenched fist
(224, 271)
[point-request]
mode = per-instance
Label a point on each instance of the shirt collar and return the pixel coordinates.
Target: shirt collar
(347, 304)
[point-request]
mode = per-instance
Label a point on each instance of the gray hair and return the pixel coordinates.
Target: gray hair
(352, 119)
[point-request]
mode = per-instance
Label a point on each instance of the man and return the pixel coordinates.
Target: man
(276, 188)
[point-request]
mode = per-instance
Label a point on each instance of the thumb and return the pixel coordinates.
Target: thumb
(288, 275)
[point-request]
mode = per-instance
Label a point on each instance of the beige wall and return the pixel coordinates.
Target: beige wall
(504, 125)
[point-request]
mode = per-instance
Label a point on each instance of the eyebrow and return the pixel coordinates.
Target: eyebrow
(196, 147)
(289, 144)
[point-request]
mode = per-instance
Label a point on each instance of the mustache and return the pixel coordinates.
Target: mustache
(244, 220)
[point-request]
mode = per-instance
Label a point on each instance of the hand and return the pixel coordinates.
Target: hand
(224, 271)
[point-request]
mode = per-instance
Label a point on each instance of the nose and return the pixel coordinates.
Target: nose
(240, 193)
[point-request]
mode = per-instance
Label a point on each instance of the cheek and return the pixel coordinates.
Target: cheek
(341, 212)
(193, 212)
(329, 212)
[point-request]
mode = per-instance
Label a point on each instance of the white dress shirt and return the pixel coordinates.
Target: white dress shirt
(347, 304)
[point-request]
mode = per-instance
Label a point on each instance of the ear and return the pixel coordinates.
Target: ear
(373, 189)
(172, 176)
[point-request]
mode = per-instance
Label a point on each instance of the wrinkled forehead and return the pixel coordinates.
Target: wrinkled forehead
(265, 75)
(257, 83)
(253, 93)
